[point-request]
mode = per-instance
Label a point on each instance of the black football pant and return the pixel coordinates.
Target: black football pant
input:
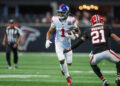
(10, 48)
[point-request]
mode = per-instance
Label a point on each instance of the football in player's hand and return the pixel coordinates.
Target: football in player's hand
(69, 32)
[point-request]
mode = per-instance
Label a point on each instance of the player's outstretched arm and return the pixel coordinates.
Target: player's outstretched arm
(115, 37)
(76, 44)
(48, 36)
(4, 40)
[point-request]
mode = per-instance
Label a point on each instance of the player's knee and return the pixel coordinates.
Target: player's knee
(69, 64)
(62, 61)
(92, 63)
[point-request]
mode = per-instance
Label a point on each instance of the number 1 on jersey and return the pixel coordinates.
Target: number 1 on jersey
(63, 32)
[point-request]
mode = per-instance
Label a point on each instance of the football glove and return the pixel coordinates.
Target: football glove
(48, 42)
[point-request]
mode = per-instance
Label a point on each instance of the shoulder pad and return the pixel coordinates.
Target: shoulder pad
(54, 18)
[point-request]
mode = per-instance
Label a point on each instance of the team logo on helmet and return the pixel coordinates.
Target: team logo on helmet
(64, 10)
(96, 20)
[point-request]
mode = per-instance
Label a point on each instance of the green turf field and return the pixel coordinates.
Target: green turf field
(42, 69)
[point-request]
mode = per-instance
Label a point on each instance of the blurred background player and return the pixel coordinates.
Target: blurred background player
(63, 24)
(99, 37)
(12, 39)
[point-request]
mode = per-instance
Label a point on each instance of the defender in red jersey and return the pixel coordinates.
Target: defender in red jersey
(99, 35)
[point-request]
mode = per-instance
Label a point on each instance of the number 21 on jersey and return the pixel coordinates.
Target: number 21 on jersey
(98, 36)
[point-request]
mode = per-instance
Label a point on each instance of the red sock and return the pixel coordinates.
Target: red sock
(102, 78)
(118, 74)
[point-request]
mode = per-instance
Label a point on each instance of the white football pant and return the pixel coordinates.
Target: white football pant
(61, 56)
(108, 55)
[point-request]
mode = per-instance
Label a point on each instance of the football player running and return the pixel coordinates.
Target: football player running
(66, 29)
(98, 35)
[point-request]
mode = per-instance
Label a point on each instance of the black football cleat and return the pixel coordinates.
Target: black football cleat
(118, 81)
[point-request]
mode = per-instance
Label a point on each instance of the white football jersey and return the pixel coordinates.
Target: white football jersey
(62, 27)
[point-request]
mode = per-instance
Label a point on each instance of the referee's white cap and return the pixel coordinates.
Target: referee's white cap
(11, 21)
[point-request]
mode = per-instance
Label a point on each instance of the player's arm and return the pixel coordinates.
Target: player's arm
(77, 32)
(19, 39)
(73, 34)
(48, 36)
(115, 37)
(19, 33)
(76, 44)
(79, 42)
(77, 29)
(49, 33)
(20, 36)
(4, 40)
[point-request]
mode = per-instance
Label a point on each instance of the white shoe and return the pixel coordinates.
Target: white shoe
(106, 83)
(15, 66)
(9, 67)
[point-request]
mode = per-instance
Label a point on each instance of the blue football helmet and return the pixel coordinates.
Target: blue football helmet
(63, 11)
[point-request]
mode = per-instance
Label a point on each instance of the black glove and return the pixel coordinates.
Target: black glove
(65, 50)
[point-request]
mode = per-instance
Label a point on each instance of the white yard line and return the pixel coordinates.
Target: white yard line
(28, 80)
(23, 76)
(58, 81)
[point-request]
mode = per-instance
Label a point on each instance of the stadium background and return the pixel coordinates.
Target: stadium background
(36, 14)
(33, 17)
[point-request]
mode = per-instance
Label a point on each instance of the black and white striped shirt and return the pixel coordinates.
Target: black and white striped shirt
(12, 34)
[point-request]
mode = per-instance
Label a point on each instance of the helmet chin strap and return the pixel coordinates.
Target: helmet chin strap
(62, 18)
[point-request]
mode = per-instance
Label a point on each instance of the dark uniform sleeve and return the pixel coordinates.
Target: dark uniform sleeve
(19, 33)
(80, 41)
(86, 34)
(110, 31)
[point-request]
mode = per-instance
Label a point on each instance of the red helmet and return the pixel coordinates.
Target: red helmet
(96, 20)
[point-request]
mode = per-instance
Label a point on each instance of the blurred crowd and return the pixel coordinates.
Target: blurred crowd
(82, 17)
(85, 16)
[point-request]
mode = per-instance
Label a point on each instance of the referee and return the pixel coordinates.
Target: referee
(12, 39)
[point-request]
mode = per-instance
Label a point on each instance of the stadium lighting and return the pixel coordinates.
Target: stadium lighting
(84, 6)
(80, 8)
(88, 7)
(92, 6)
(96, 7)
